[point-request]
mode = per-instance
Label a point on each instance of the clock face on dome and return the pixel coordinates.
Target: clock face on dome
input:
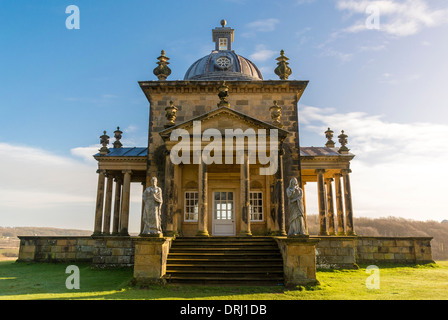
(223, 62)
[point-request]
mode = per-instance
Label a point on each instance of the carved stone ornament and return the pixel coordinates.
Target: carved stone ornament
(152, 213)
(329, 135)
(276, 114)
(283, 70)
(296, 209)
(171, 114)
(223, 95)
(104, 141)
(118, 135)
(162, 71)
(343, 141)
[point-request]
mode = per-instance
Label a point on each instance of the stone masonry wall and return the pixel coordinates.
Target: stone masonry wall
(336, 253)
(56, 249)
(113, 252)
(393, 250)
(102, 252)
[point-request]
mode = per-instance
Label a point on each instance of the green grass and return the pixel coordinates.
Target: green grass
(47, 281)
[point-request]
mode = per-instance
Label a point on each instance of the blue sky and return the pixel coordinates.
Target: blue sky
(61, 88)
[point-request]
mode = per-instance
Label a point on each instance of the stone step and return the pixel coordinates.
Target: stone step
(225, 249)
(223, 244)
(224, 260)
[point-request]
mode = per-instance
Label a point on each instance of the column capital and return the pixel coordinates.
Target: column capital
(101, 171)
(346, 171)
(127, 171)
(338, 175)
(320, 171)
(329, 180)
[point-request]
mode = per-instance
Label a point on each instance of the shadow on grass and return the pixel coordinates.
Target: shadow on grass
(48, 281)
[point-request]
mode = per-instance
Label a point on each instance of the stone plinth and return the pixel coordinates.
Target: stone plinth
(299, 260)
(150, 259)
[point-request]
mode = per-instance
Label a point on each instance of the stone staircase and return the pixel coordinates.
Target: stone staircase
(225, 261)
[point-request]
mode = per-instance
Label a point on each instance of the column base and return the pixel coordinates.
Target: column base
(245, 234)
(170, 234)
(341, 234)
(323, 234)
(202, 234)
(351, 234)
(156, 235)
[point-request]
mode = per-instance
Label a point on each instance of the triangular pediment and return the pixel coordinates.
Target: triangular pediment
(221, 119)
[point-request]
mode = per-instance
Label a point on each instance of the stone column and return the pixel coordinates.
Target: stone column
(339, 205)
(108, 205)
(143, 207)
(245, 197)
(304, 207)
(117, 207)
(348, 202)
(202, 201)
(124, 219)
(169, 195)
(322, 202)
(99, 203)
(281, 195)
(330, 206)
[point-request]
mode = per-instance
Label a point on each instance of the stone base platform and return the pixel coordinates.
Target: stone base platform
(301, 256)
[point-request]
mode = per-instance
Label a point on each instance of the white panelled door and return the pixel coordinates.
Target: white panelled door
(223, 213)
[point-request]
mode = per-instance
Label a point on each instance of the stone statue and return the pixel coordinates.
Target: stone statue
(152, 214)
(296, 209)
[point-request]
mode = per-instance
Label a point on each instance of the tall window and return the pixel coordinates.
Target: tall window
(256, 206)
(222, 43)
(191, 206)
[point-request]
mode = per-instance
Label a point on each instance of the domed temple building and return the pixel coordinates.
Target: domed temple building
(224, 181)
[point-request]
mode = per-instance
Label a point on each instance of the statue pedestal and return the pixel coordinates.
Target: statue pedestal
(150, 259)
(299, 260)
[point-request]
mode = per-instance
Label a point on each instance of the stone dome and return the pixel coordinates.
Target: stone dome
(223, 65)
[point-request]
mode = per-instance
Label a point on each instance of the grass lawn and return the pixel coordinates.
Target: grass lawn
(47, 281)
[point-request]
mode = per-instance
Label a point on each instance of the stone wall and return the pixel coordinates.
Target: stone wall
(336, 253)
(56, 249)
(405, 250)
(102, 252)
(113, 252)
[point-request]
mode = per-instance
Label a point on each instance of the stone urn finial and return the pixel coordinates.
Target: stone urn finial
(343, 141)
(329, 135)
(171, 114)
(276, 114)
(223, 95)
(118, 135)
(283, 70)
(104, 140)
(162, 71)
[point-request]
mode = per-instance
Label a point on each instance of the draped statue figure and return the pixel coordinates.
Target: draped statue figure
(152, 214)
(296, 209)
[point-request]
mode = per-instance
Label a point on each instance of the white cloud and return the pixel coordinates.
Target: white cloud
(398, 18)
(40, 188)
(399, 168)
(262, 54)
(264, 25)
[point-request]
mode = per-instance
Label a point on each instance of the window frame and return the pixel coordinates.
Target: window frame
(190, 206)
(258, 206)
(226, 44)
